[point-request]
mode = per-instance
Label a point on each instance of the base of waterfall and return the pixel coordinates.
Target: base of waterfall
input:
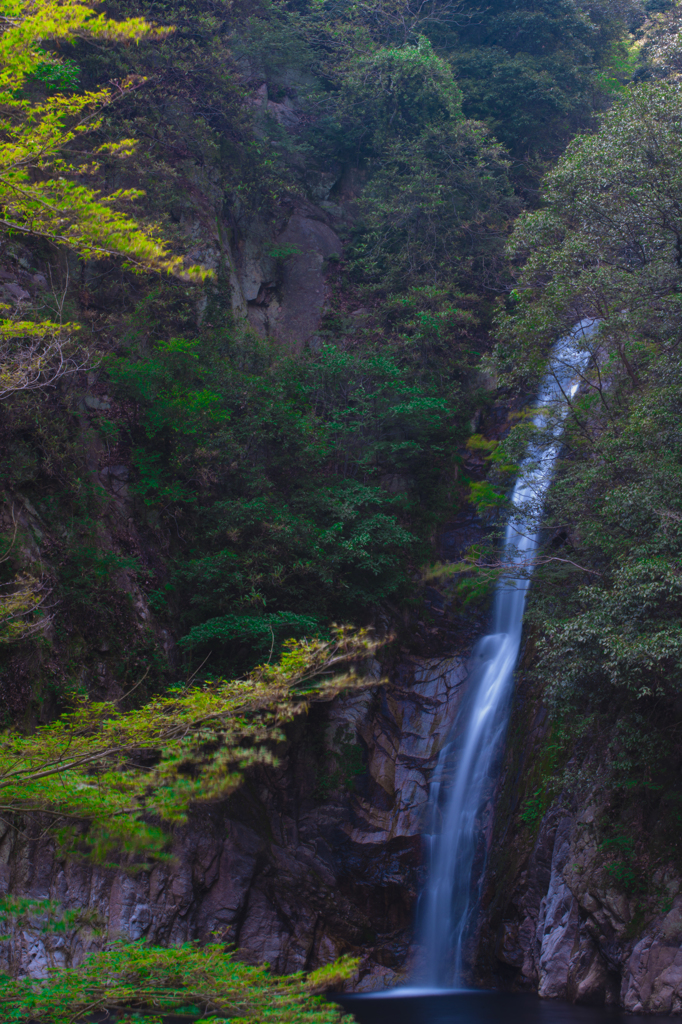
(417, 992)
(473, 1006)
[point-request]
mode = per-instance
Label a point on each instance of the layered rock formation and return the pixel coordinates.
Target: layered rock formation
(314, 858)
(556, 917)
(570, 933)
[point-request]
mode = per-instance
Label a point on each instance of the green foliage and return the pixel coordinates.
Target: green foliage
(478, 443)
(20, 609)
(43, 191)
(58, 76)
(102, 778)
(437, 209)
(621, 68)
(486, 497)
(659, 41)
(474, 578)
(349, 762)
(620, 851)
(393, 92)
(94, 586)
(274, 468)
(94, 567)
(141, 983)
(536, 71)
(109, 781)
(534, 808)
(605, 245)
(544, 782)
(46, 917)
(264, 632)
(282, 252)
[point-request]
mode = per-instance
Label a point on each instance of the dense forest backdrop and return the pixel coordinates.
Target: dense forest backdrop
(189, 485)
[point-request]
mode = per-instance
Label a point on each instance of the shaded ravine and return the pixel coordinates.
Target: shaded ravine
(466, 768)
(304, 863)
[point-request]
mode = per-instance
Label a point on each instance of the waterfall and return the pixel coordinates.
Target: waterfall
(465, 773)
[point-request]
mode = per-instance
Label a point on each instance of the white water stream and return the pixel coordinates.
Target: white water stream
(465, 773)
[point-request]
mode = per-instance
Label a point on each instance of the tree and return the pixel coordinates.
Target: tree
(45, 193)
(536, 72)
(108, 782)
(139, 983)
(111, 782)
(393, 92)
(437, 208)
(44, 190)
(607, 244)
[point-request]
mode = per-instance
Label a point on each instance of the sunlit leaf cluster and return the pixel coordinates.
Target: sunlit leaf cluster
(141, 983)
(113, 782)
(45, 179)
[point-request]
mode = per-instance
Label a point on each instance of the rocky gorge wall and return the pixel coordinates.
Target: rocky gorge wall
(317, 857)
(555, 917)
(322, 855)
(570, 935)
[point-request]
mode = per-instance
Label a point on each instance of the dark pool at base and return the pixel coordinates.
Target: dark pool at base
(475, 1007)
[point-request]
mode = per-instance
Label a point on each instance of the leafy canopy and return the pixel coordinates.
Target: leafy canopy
(269, 546)
(140, 983)
(606, 244)
(43, 188)
(394, 91)
(109, 780)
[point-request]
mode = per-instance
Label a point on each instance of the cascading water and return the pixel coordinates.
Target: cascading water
(465, 772)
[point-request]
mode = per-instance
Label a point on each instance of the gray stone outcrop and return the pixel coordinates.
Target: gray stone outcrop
(568, 930)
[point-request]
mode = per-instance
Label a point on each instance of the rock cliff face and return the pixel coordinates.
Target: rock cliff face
(281, 285)
(554, 918)
(317, 857)
(571, 935)
(322, 856)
